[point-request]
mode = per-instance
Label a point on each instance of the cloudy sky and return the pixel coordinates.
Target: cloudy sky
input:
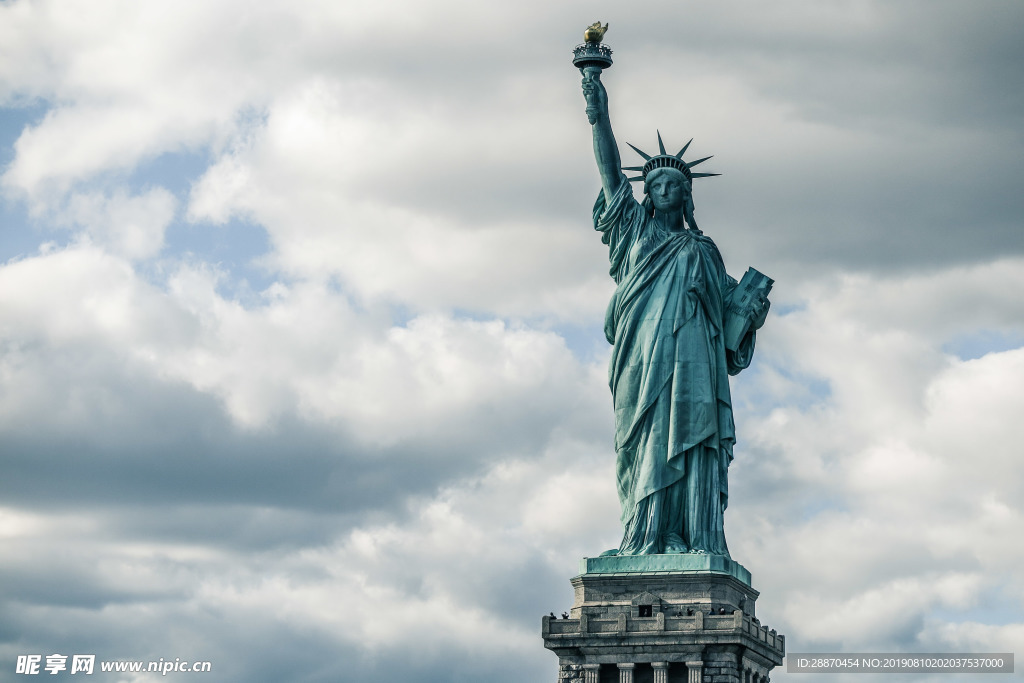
(301, 362)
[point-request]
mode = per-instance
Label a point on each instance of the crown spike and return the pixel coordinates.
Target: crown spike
(699, 161)
(704, 175)
(645, 155)
(680, 155)
(635, 178)
(632, 168)
(661, 145)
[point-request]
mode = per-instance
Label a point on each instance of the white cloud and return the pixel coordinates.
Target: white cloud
(305, 352)
(83, 294)
(336, 175)
(857, 621)
(130, 226)
(971, 636)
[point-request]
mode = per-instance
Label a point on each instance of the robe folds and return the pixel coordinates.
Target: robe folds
(669, 377)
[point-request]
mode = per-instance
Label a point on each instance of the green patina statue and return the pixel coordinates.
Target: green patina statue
(680, 325)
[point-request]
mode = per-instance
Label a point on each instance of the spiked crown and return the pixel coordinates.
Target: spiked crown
(666, 160)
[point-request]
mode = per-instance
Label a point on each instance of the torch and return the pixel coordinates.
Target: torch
(591, 58)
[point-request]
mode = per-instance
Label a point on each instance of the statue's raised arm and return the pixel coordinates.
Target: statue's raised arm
(605, 150)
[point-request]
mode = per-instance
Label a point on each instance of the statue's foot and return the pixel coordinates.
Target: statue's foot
(610, 553)
(675, 545)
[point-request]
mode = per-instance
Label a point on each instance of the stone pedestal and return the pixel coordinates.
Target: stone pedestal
(663, 619)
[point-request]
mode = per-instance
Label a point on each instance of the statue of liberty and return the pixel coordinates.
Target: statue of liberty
(679, 325)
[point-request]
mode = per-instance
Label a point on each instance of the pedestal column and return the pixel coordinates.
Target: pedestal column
(591, 673)
(694, 672)
(626, 673)
(660, 672)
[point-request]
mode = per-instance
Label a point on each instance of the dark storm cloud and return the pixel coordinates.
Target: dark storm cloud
(925, 101)
(897, 149)
(156, 444)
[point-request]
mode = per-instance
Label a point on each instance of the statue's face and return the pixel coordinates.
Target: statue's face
(667, 191)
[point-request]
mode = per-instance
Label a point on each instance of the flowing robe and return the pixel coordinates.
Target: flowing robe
(669, 377)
